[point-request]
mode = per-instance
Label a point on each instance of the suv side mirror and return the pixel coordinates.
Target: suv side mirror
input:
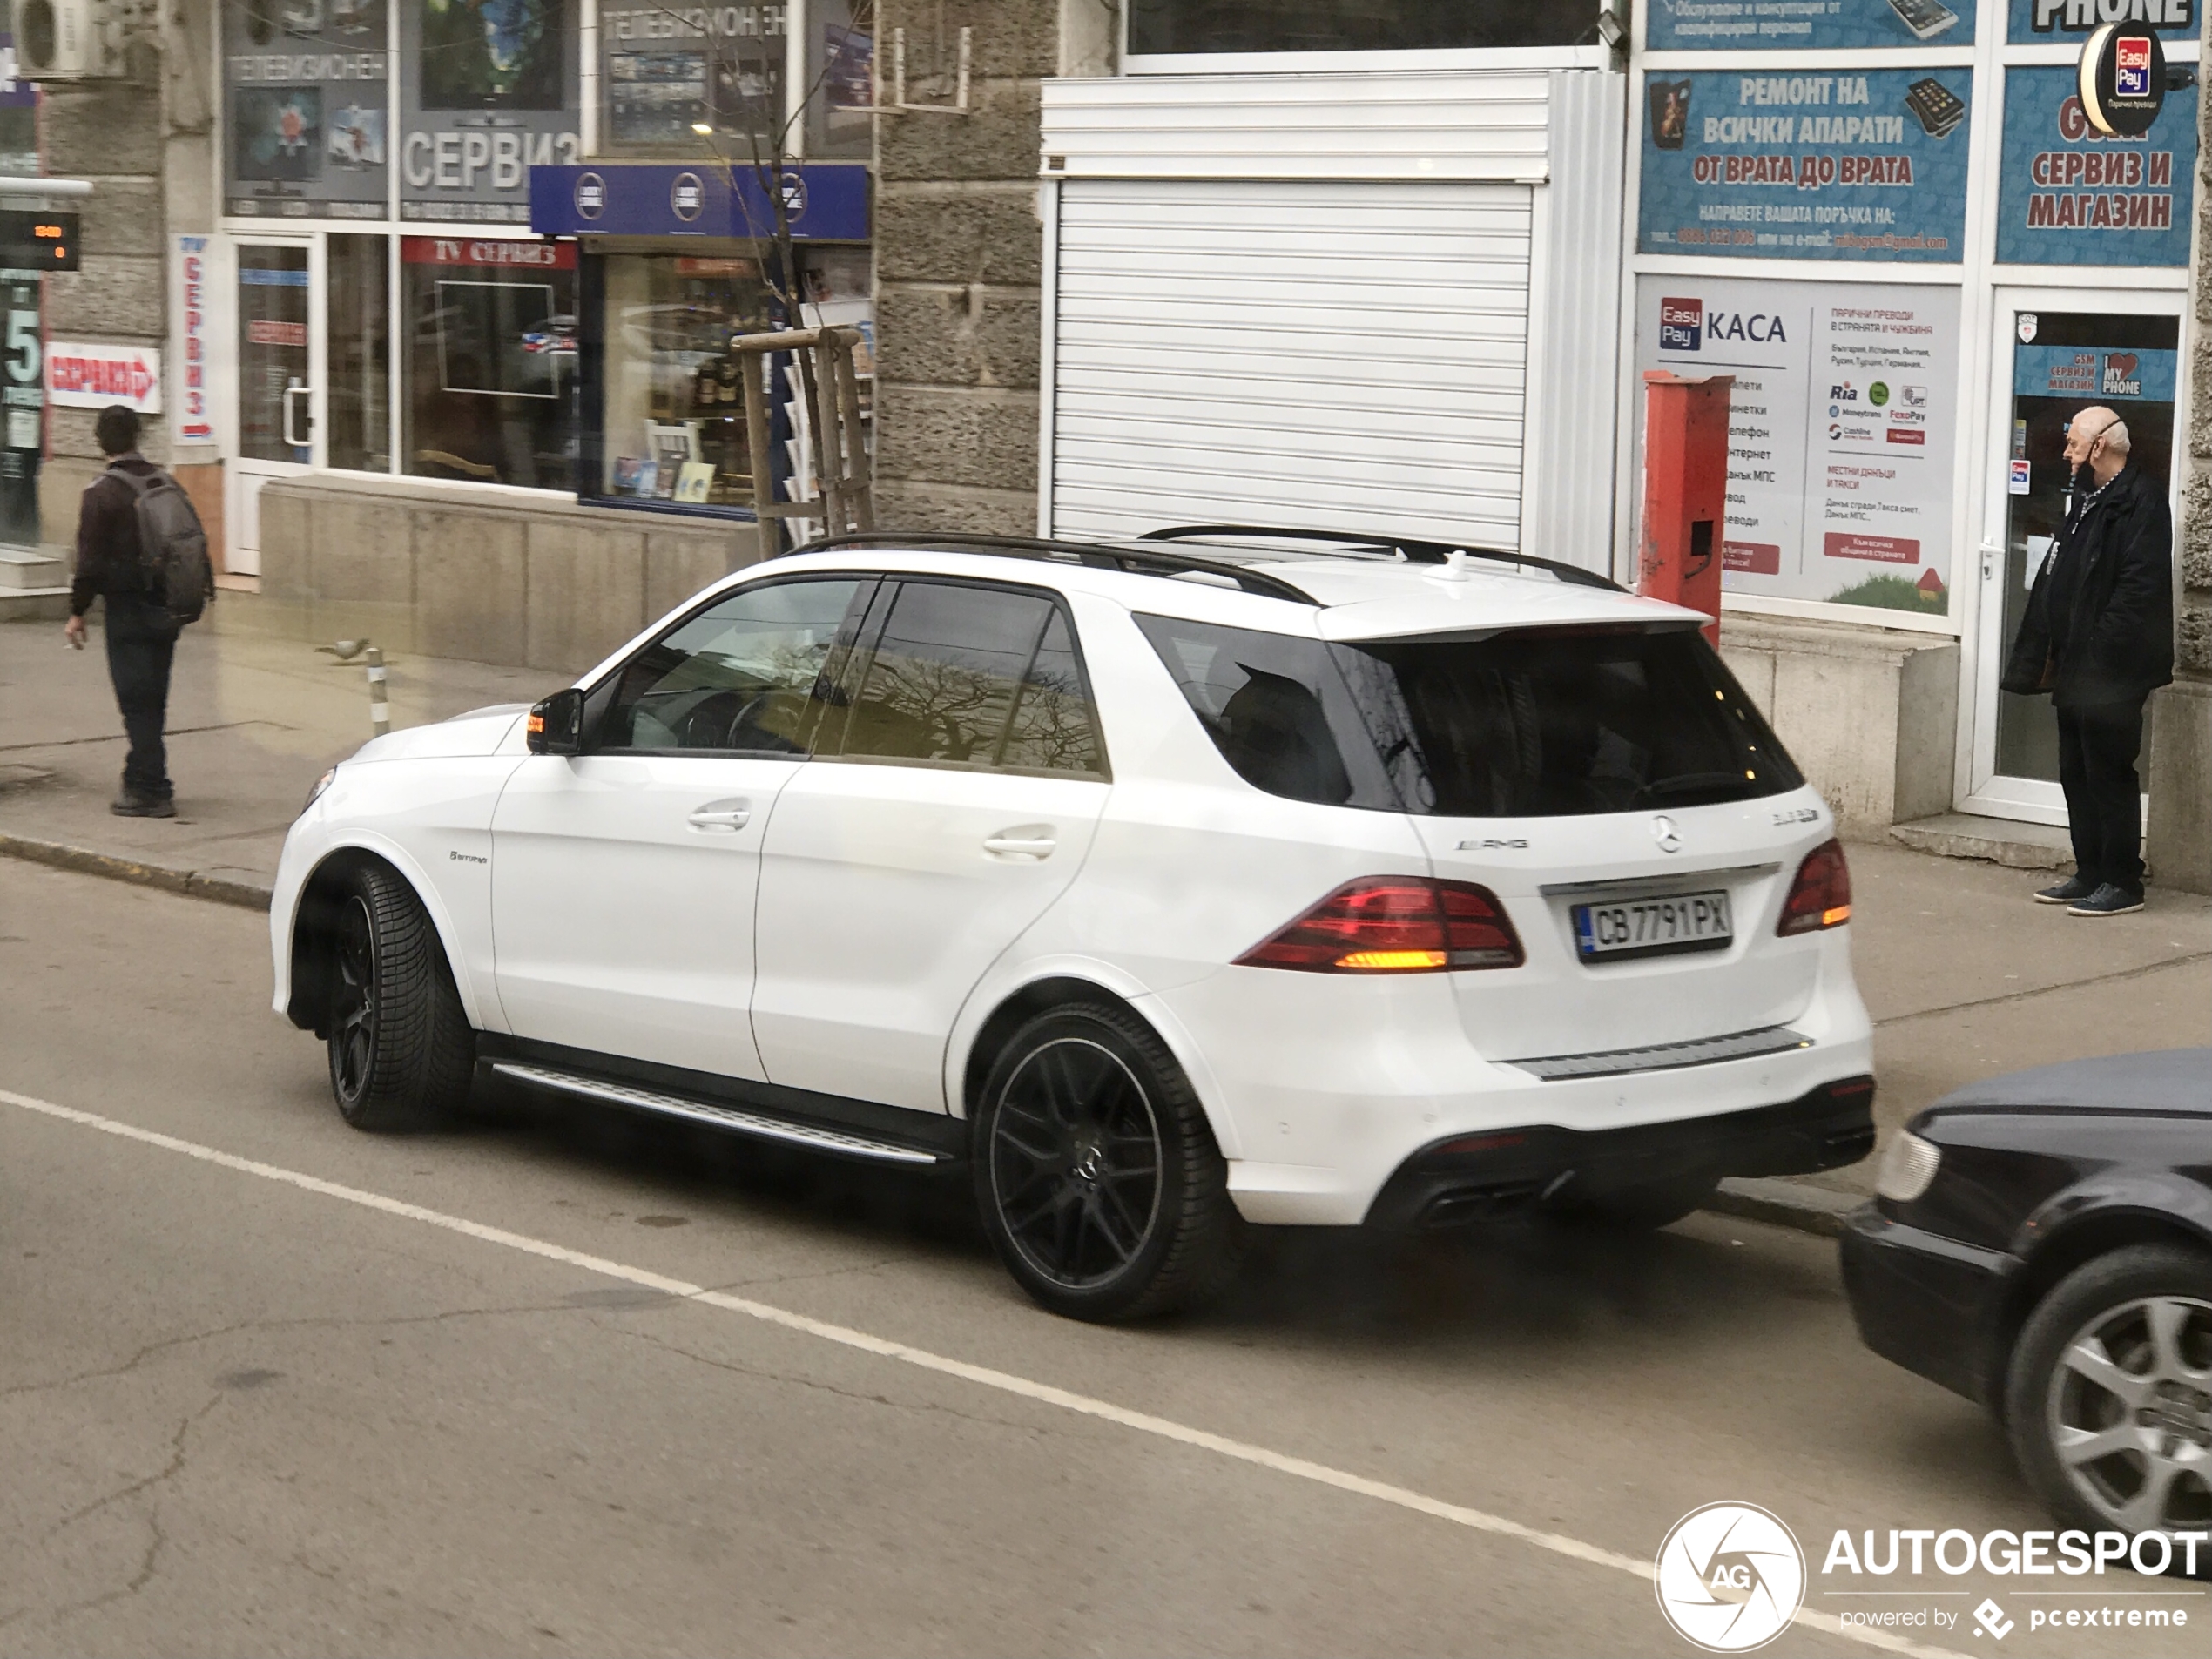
(556, 725)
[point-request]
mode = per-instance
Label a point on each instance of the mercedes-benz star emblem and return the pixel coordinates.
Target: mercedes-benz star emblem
(1667, 833)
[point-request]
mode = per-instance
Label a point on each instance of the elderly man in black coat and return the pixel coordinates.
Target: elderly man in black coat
(2098, 638)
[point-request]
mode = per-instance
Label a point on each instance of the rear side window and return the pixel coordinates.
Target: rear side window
(970, 676)
(1540, 723)
(1277, 708)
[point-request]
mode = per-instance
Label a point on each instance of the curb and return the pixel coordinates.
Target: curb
(84, 861)
(1782, 1202)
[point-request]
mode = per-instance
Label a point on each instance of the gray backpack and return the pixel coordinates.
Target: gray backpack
(173, 546)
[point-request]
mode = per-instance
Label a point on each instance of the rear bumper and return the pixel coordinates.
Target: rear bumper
(1469, 1178)
(1925, 1301)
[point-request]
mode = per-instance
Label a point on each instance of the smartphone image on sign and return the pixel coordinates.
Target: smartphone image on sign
(1670, 113)
(1938, 109)
(1925, 18)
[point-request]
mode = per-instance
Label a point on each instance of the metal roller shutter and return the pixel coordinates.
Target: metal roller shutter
(1331, 354)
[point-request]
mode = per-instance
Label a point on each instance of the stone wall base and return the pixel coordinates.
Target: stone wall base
(477, 574)
(2177, 775)
(1869, 715)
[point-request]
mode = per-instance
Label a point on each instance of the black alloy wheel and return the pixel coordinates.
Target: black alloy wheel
(1098, 1178)
(2108, 1400)
(402, 1052)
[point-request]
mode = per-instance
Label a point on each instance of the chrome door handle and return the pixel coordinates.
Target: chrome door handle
(290, 392)
(719, 817)
(1019, 847)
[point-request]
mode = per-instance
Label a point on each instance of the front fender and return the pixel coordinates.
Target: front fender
(2122, 1193)
(354, 839)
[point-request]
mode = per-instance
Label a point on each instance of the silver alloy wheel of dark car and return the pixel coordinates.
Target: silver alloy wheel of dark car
(1075, 1159)
(2128, 1414)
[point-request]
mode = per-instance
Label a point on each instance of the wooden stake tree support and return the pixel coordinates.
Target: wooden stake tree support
(844, 481)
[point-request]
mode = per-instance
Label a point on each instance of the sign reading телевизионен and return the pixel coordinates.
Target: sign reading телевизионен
(1839, 165)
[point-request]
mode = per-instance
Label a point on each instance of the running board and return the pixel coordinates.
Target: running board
(820, 1137)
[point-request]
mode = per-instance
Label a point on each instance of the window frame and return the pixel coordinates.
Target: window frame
(861, 662)
(599, 697)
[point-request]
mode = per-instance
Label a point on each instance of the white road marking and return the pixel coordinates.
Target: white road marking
(982, 1376)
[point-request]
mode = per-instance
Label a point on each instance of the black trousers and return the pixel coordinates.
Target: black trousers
(2104, 800)
(141, 641)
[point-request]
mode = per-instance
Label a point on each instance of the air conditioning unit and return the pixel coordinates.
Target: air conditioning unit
(68, 40)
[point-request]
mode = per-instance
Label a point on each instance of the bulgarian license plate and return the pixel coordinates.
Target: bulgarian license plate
(1652, 927)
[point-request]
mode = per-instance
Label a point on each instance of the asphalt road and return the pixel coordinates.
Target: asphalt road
(270, 1386)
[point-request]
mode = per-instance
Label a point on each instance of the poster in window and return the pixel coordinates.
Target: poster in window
(1841, 164)
(491, 54)
(1842, 425)
(306, 81)
(2043, 22)
(654, 98)
(276, 134)
(663, 71)
(2068, 195)
(1819, 25)
(488, 90)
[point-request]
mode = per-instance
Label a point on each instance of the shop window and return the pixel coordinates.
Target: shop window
(359, 402)
(690, 82)
(671, 421)
(841, 70)
(492, 360)
(1157, 26)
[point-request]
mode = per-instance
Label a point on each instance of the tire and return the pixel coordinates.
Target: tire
(402, 1054)
(1635, 1210)
(2141, 1321)
(1097, 1177)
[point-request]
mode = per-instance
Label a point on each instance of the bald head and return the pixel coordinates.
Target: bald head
(2097, 438)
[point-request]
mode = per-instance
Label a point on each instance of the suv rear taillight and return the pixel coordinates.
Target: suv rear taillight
(1820, 897)
(1395, 925)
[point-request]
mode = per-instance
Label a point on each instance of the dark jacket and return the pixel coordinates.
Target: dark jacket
(107, 538)
(2100, 622)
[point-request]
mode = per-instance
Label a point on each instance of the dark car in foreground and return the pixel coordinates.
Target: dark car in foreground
(2042, 1243)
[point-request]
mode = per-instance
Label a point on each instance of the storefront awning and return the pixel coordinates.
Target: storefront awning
(827, 202)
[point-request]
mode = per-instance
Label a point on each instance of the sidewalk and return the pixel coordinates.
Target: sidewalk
(253, 722)
(1964, 976)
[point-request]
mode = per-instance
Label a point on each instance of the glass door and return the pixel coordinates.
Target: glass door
(2058, 351)
(279, 353)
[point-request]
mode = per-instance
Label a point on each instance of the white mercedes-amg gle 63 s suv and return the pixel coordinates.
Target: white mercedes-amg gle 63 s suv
(1222, 878)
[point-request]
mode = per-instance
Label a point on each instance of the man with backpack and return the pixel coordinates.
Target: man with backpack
(140, 550)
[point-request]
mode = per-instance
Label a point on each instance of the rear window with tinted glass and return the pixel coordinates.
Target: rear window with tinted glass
(1537, 722)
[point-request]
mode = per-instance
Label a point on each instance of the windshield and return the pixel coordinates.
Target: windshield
(1536, 723)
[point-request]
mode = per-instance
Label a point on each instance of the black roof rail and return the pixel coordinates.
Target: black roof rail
(1100, 556)
(1416, 552)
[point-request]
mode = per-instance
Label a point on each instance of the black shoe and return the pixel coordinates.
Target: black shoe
(128, 804)
(2107, 901)
(2070, 891)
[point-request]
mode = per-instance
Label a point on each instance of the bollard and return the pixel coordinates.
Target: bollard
(379, 712)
